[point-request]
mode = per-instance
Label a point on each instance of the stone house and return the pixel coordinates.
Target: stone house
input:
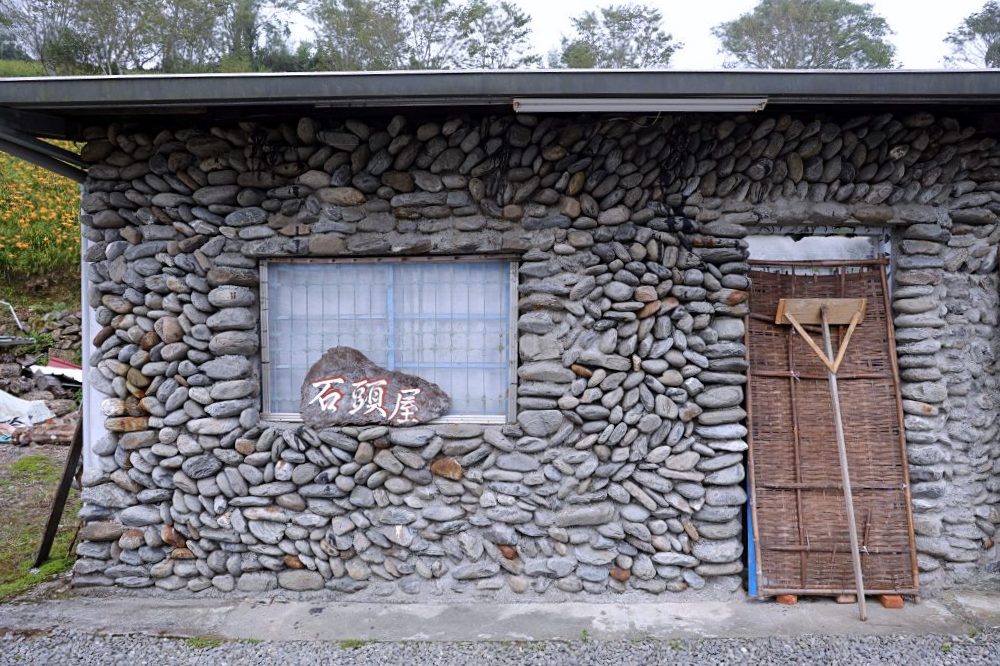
(564, 253)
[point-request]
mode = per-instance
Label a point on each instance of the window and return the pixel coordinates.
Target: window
(445, 320)
(802, 247)
(801, 244)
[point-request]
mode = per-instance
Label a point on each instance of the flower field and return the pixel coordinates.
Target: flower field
(39, 223)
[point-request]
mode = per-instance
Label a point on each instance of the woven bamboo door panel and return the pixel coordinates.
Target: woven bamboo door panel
(799, 520)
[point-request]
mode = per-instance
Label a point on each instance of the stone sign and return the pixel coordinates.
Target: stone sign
(345, 388)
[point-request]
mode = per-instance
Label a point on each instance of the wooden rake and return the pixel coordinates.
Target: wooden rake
(832, 312)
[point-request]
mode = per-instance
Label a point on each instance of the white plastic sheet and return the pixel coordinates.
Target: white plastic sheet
(33, 411)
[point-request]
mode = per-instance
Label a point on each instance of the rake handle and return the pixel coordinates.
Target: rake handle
(844, 473)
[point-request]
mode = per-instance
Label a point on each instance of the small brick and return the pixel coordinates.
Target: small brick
(891, 600)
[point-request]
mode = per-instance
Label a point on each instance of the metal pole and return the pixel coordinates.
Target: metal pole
(844, 473)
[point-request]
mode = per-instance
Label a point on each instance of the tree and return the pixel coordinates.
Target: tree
(245, 28)
(617, 37)
(115, 37)
(10, 49)
(119, 36)
(279, 56)
(807, 34)
(977, 40)
(356, 35)
(434, 38)
(496, 37)
(100, 36)
(420, 34)
(183, 34)
(43, 30)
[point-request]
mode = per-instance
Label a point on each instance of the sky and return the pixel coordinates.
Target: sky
(920, 26)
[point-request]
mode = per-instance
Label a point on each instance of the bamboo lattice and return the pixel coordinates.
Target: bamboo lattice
(798, 504)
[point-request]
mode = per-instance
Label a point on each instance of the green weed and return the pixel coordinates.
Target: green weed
(40, 347)
(204, 642)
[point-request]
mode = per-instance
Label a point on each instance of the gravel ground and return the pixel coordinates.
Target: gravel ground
(65, 647)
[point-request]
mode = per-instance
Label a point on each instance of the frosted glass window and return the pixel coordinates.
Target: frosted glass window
(445, 321)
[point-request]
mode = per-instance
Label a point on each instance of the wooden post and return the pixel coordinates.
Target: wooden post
(844, 473)
(62, 493)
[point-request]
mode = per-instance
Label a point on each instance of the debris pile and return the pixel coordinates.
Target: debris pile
(38, 403)
(53, 386)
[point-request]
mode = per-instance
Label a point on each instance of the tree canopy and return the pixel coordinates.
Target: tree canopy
(496, 36)
(617, 37)
(977, 40)
(807, 34)
(123, 36)
(10, 49)
(341, 46)
(420, 34)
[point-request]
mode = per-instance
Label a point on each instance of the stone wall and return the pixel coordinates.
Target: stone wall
(64, 327)
(624, 469)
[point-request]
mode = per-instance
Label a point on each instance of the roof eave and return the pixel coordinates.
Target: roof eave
(166, 93)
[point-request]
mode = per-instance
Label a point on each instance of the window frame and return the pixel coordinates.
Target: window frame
(511, 262)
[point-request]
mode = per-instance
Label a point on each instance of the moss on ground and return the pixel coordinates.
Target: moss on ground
(36, 467)
(204, 642)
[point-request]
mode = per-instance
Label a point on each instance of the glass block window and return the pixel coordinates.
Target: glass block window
(447, 321)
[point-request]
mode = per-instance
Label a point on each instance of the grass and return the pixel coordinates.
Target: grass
(21, 68)
(204, 642)
(36, 468)
(27, 486)
(36, 296)
(39, 244)
(352, 643)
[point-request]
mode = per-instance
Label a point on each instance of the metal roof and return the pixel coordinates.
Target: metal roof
(60, 106)
(162, 94)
